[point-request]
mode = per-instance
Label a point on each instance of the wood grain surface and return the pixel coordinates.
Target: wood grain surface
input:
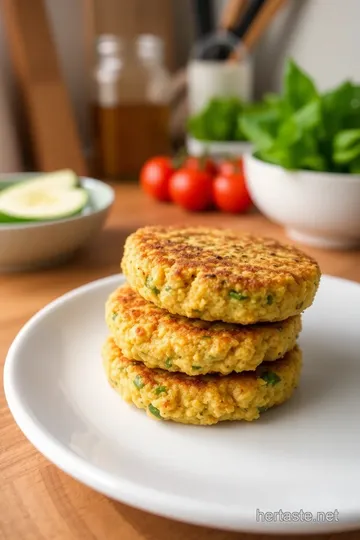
(37, 500)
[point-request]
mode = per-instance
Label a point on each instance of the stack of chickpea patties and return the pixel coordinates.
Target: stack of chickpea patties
(206, 328)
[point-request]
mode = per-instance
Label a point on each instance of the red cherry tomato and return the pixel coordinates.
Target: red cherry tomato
(201, 164)
(191, 189)
(154, 177)
(231, 166)
(231, 194)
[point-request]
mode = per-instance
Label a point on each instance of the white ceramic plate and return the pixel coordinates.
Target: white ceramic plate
(301, 456)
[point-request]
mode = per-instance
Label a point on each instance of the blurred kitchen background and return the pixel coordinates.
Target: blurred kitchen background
(247, 107)
(321, 35)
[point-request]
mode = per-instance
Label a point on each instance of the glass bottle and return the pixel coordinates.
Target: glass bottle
(131, 111)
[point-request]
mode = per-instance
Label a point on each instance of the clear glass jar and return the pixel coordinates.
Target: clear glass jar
(131, 109)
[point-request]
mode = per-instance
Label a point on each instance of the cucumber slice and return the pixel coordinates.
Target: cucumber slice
(40, 204)
(64, 179)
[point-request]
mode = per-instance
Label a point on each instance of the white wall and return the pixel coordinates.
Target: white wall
(321, 35)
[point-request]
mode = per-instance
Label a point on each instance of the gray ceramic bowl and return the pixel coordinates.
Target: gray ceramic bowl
(25, 246)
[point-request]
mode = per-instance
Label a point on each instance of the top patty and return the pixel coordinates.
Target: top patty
(215, 274)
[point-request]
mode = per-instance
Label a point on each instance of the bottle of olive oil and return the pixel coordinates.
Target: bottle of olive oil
(130, 111)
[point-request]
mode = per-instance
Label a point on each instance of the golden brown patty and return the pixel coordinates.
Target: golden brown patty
(206, 399)
(213, 274)
(148, 333)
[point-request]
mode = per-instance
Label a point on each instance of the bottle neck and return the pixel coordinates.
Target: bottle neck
(150, 50)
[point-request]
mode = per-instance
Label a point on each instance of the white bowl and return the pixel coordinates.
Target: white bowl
(217, 149)
(316, 208)
(26, 246)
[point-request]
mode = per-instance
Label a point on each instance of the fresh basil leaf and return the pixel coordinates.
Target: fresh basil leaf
(299, 88)
(336, 105)
(347, 146)
(274, 100)
(197, 128)
(239, 134)
(296, 142)
(218, 121)
(257, 133)
(278, 156)
(289, 133)
(308, 116)
(352, 120)
(355, 166)
(314, 162)
(302, 154)
(308, 154)
(346, 156)
(347, 138)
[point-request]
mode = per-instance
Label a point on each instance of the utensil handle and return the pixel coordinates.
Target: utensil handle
(257, 28)
(261, 22)
(232, 13)
(240, 30)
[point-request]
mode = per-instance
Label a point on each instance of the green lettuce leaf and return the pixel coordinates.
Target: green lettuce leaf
(299, 88)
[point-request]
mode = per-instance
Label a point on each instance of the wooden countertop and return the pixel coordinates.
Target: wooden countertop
(37, 500)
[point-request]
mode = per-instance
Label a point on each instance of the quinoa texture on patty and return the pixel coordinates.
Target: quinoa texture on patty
(205, 399)
(147, 333)
(219, 275)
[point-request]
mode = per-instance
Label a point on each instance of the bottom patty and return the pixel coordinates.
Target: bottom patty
(203, 399)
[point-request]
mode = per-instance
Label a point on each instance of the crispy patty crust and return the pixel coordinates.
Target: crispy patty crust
(150, 334)
(206, 399)
(215, 274)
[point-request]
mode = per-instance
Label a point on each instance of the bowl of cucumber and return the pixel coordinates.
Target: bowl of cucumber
(46, 217)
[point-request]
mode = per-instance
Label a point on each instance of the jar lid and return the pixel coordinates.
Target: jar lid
(108, 44)
(150, 46)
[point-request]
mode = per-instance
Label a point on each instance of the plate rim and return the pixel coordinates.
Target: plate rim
(176, 507)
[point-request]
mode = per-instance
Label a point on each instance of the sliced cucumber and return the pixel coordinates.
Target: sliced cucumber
(41, 204)
(43, 197)
(64, 179)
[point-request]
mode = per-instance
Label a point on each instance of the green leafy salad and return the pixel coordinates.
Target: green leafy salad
(306, 129)
(220, 120)
(300, 129)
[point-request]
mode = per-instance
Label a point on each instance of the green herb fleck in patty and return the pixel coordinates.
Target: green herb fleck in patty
(168, 362)
(160, 390)
(237, 296)
(154, 411)
(262, 409)
(138, 382)
(149, 285)
(270, 378)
